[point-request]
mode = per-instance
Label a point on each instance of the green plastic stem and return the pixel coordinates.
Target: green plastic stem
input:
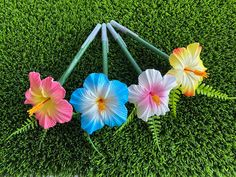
(93, 145)
(149, 46)
(139, 39)
(105, 49)
(78, 56)
(105, 58)
(74, 62)
(129, 56)
(122, 44)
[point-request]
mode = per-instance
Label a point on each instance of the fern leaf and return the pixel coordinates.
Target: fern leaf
(30, 123)
(209, 91)
(174, 99)
(42, 137)
(154, 124)
(129, 119)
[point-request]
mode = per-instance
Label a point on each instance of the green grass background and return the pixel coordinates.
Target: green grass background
(44, 36)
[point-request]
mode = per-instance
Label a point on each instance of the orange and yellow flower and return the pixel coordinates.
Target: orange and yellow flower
(187, 68)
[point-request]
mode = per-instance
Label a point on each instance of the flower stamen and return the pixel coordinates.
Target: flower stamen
(156, 98)
(197, 72)
(37, 107)
(101, 104)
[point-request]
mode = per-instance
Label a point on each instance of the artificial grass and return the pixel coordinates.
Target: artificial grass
(44, 36)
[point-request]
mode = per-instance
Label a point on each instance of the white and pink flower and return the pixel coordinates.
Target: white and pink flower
(151, 95)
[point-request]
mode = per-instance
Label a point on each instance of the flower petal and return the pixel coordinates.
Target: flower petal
(35, 81)
(136, 93)
(28, 97)
(164, 100)
(184, 56)
(118, 91)
(96, 83)
(33, 97)
(176, 62)
(148, 78)
(45, 121)
(165, 103)
(52, 88)
(115, 115)
(189, 85)
(162, 109)
(82, 100)
(145, 109)
(63, 112)
(198, 65)
(91, 122)
(169, 82)
(178, 74)
(195, 50)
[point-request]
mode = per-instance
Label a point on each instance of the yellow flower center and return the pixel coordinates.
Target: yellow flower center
(156, 98)
(101, 104)
(37, 107)
(197, 72)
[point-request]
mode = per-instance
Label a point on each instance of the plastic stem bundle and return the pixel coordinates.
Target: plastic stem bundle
(123, 46)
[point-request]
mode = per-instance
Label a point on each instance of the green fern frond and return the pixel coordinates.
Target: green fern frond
(129, 119)
(154, 124)
(209, 91)
(42, 137)
(174, 99)
(30, 123)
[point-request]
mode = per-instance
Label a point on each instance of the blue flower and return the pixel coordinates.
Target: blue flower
(101, 102)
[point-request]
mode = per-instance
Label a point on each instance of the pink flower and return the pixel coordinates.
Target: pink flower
(151, 96)
(47, 98)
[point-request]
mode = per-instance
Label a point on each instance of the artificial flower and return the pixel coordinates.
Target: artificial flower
(101, 102)
(187, 68)
(151, 95)
(47, 98)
